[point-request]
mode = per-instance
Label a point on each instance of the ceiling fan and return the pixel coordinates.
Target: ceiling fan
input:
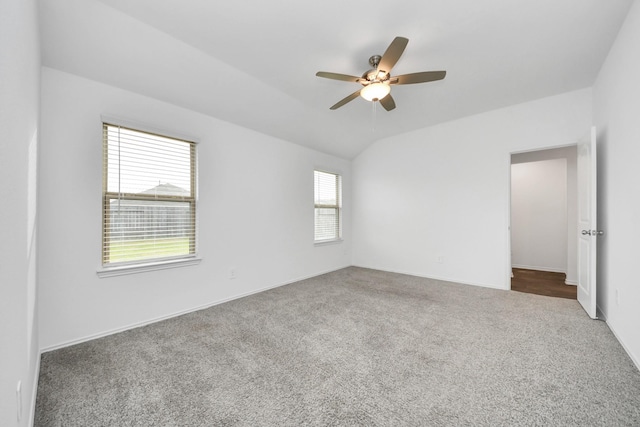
(377, 81)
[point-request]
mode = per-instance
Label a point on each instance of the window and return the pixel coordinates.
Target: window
(149, 197)
(328, 202)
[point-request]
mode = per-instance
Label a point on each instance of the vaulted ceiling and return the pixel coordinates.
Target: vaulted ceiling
(253, 62)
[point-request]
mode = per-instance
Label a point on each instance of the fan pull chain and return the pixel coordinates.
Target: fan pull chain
(373, 116)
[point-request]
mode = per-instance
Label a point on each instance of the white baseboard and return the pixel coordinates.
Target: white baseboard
(34, 391)
(443, 279)
(600, 314)
(177, 313)
(632, 356)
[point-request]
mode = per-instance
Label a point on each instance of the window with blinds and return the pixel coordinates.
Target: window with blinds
(328, 202)
(149, 197)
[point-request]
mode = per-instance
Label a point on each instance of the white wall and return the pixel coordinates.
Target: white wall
(255, 214)
(19, 106)
(616, 107)
(539, 215)
(569, 154)
(443, 192)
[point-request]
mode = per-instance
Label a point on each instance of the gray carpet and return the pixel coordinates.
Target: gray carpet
(352, 347)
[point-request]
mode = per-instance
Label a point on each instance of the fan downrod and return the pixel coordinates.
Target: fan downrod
(373, 74)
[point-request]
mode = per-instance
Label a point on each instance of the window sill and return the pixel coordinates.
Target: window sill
(122, 270)
(327, 242)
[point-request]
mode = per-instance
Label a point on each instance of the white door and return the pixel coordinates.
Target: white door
(587, 225)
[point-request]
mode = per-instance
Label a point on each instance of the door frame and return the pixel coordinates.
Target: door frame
(508, 267)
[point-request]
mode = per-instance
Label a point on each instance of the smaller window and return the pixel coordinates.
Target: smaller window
(328, 203)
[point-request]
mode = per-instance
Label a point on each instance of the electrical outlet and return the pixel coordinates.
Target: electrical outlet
(232, 273)
(19, 400)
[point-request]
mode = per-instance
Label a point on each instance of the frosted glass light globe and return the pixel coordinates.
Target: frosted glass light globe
(375, 91)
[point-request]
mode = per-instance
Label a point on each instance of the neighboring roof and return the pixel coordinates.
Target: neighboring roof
(167, 189)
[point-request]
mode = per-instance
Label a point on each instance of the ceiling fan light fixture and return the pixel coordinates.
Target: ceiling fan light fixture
(377, 81)
(375, 91)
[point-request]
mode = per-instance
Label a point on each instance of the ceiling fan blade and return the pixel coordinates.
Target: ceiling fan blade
(392, 54)
(423, 77)
(343, 101)
(388, 103)
(337, 76)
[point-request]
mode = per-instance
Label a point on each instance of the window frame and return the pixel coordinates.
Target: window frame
(337, 206)
(148, 264)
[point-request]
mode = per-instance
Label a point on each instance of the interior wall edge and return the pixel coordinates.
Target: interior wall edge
(34, 390)
(600, 313)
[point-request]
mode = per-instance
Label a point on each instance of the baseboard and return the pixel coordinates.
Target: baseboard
(178, 313)
(34, 391)
(443, 279)
(633, 358)
(571, 282)
(538, 268)
(600, 314)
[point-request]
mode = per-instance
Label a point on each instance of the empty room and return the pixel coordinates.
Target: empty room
(303, 213)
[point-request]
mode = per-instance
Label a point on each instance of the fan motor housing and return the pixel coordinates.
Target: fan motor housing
(373, 74)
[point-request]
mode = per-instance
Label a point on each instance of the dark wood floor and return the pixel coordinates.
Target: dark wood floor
(542, 283)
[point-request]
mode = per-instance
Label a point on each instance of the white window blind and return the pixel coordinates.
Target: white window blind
(149, 197)
(328, 201)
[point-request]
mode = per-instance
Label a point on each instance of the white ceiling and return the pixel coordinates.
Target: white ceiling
(253, 62)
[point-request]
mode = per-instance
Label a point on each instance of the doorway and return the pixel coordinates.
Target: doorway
(544, 222)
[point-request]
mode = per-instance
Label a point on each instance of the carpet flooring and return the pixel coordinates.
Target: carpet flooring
(355, 347)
